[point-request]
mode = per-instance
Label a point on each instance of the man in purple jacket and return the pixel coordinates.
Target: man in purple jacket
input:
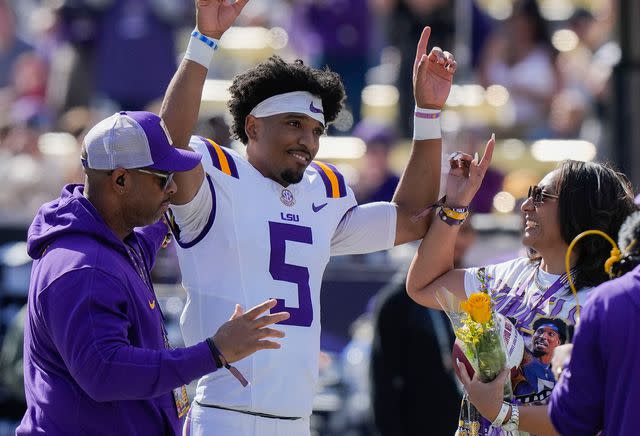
(96, 355)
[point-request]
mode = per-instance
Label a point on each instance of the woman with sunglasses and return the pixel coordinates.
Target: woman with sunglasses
(592, 395)
(574, 197)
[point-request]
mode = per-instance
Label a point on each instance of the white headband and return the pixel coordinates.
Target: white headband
(302, 102)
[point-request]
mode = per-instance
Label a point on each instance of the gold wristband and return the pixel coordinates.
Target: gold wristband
(454, 214)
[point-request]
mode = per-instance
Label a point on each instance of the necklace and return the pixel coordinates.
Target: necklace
(536, 281)
(563, 279)
(543, 288)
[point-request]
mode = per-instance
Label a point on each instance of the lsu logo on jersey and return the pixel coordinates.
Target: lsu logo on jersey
(289, 217)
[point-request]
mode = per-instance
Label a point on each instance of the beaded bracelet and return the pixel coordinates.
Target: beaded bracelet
(456, 213)
(514, 421)
(448, 219)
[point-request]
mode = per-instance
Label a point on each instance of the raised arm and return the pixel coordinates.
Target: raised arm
(181, 103)
(432, 265)
(420, 183)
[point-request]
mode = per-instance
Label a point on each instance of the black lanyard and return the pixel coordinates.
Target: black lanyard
(143, 272)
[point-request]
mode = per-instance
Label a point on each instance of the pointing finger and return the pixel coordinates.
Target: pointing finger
(488, 152)
(422, 48)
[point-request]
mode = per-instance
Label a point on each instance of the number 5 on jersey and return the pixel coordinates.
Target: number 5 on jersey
(279, 234)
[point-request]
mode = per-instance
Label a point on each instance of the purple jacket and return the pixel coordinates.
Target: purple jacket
(600, 388)
(94, 355)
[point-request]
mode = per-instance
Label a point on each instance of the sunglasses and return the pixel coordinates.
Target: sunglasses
(164, 178)
(537, 194)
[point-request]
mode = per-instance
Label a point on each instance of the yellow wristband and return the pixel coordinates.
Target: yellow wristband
(455, 215)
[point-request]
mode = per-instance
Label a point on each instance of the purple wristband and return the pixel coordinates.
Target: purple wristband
(427, 116)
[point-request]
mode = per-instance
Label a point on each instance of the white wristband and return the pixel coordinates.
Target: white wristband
(426, 124)
(501, 415)
(201, 49)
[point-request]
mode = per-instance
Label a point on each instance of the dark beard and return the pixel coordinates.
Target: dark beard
(538, 353)
(291, 177)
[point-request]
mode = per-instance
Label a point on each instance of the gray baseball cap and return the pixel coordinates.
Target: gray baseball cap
(135, 139)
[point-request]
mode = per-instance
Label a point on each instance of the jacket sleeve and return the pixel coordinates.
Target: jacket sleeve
(85, 312)
(577, 400)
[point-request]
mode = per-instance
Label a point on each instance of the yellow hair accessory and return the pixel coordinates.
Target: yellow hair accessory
(614, 257)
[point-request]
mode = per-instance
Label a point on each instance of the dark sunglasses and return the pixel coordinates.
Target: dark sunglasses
(537, 194)
(164, 178)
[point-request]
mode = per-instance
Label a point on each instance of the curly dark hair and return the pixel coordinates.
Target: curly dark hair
(629, 244)
(592, 196)
(275, 76)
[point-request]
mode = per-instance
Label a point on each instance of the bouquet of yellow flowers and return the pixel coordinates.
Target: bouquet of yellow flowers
(486, 342)
(481, 334)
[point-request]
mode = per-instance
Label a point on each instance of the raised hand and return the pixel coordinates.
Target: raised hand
(245, 333)
(432, 74)
(466, 175)
(214, 17)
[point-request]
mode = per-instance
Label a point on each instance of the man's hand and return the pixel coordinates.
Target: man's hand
(244, 333)
(214, 17)
(432, 74)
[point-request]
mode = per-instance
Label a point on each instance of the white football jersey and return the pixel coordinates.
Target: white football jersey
(244, 239)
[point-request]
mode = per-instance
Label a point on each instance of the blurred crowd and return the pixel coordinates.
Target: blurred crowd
(66, 63)
(524, 72)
